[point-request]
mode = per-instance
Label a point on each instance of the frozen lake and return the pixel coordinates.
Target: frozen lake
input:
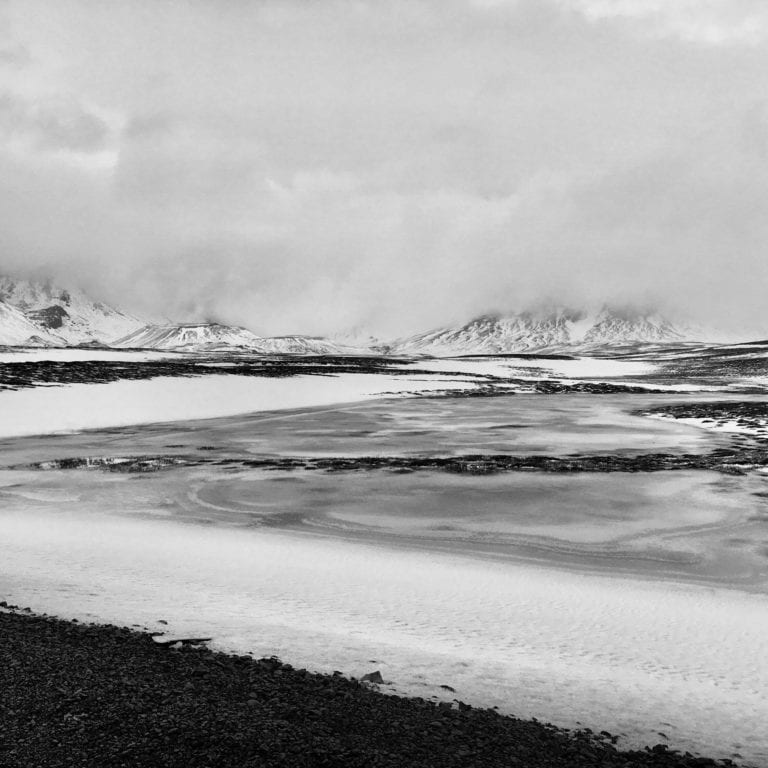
(634, 601)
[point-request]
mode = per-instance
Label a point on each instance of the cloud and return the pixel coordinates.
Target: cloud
(307, 167)
(707, 22)
(13, 55)
(52, 125)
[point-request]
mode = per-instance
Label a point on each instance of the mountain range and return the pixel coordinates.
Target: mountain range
(551, 329)
(39, 313)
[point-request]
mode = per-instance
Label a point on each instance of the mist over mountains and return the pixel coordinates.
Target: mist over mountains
(419, 164)
(40, 313)
(60, 316)
(554, 328)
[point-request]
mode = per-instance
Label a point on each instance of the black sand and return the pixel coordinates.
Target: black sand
(86, 695)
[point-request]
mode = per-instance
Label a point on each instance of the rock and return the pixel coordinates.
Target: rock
(372, 677)
(170, 641)
(111, 697)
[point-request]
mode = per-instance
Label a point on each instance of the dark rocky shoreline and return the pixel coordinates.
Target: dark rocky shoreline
(736, 460)
(751, 416)
(33, 373)
(82, 695)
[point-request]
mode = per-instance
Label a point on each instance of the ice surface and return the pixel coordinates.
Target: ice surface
(512, 424)
(91, 406)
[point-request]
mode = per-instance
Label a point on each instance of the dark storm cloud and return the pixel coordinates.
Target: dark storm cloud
(309, 166)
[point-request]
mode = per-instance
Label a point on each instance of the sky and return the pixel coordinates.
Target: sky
(387, 165)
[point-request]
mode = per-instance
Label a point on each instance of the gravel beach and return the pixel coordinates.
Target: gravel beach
(91, 695)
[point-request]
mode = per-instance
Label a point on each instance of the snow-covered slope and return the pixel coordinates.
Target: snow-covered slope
(213, 337)
(191, 337)
(67, 313)
(617, 325)
(16, 330)
(545, 330)
(304, 345)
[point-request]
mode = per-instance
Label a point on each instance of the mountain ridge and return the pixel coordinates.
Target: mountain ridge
(41, 313)
(541, 330)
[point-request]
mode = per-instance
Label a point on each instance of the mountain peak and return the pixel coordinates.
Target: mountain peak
(65, 311)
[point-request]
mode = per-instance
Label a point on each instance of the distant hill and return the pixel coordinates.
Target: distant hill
(213, 337)
(194, 336)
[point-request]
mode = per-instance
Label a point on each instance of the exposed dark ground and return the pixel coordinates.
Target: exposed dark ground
(701, 363)
(85, 695)
(32, 373)
(751, 413)
(736, 460)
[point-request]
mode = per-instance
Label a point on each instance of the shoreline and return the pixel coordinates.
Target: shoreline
(540, 643)
(94, 694)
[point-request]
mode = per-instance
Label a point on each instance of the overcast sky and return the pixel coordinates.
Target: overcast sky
(301, 166)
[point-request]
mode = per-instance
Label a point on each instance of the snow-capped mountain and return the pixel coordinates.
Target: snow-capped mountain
(555, 329)
(67, 314)
(17, 330)
(613, 326)
(304, 345)
(190, 337)
(41, 313)
(214, 337)
(34, 313)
